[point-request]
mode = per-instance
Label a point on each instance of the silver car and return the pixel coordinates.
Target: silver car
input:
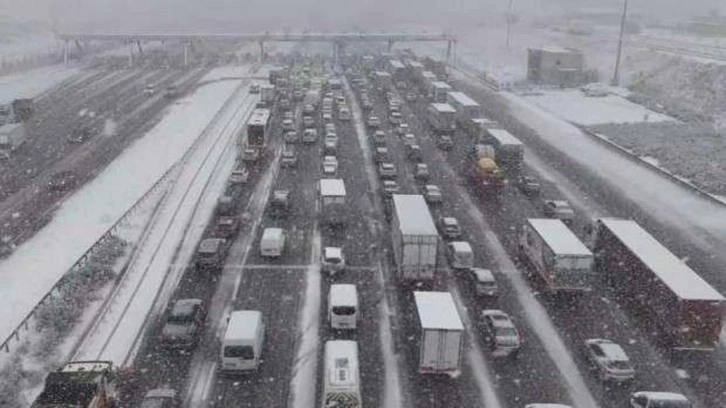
(610, 360)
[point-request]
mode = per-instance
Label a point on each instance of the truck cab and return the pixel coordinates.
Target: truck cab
(85, 384)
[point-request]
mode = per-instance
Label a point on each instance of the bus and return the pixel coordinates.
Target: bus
(341, 382)
(257, 127)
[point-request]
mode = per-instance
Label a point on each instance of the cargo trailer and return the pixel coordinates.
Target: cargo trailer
(440, 333)
(415, 239)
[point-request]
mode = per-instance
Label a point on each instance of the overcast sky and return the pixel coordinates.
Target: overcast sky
(108, 15)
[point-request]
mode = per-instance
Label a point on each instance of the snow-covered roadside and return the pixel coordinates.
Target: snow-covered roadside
(85, 216)
(652, 191)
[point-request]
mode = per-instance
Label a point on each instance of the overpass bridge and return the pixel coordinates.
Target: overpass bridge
(338, 39)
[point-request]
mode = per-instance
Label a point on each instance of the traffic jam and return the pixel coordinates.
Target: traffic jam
(404, 254)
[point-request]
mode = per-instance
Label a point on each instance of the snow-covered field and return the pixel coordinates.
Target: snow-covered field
(574, 106)
(33, 83)
(85, 216)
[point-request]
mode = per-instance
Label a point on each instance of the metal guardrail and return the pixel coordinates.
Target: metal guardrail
(64, 280)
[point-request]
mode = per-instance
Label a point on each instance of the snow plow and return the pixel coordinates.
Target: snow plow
(485, 174)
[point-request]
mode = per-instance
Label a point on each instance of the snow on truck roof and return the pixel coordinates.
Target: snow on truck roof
(673, 272)
(463, 99)
(440, 84)
(259, 117)
(504, 137)
(558, 237)
(443, 107)
(332, 187)
(436, 310)
(396, 64)
(413, 215)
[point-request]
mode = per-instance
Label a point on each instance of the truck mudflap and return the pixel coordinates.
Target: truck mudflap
(341, 399)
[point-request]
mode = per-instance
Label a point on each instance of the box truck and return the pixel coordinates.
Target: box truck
(660, 287)
(560, 258)
(415, 239)
(440, 334)
(466, 108)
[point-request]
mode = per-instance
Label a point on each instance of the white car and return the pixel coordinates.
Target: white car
(387, 170)
(449, 227)
(409, 139)
(500, 332)
(333, 260)
(403, 128)
(651, 399)
(374, 122)
(559, 209)
(390, 187)
(610, 360)
(432, 193)
(421, 172)
(330, 166)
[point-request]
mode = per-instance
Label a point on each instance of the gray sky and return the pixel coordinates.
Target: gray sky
(107, 15)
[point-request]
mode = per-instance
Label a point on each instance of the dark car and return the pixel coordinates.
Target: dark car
(63, 181)
(184, 324)
(528, 185)
(81, 135)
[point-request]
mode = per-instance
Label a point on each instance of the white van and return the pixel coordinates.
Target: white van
(341, 378)
(461, 255)
(243, 340)
(343, 306)
(273, 242)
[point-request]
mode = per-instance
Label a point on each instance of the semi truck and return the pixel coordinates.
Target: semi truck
(83, 384)
(12, 136)
(563, 262)
(332, 198)
(441, 117)
(659, 286)
(466, 108)
(312, 98)
(440, 333)
(508, 149)
(397, 69)
(439, 91)
(415, 239)
(267, 93)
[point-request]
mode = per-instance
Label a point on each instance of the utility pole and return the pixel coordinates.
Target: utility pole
(510, 17)
(616, 74)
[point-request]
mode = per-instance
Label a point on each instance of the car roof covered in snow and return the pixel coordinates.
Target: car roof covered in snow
(673, 272)
(413, 215)
(332, 187)
(243, 325)
(436, 310)
(461, 246)
(558, 237)
(440, 84)
(343, 294)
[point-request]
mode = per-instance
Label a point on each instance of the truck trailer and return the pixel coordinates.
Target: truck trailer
(415, 239)
(466, 108)
(439, 91)
(441, 117)
(558, 256)
(659, 286)
(508, 149)
(12, 136)
(440, 335)
(267, 93)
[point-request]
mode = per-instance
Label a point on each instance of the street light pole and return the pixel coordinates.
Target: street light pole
(616, 74)
(510, 16)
